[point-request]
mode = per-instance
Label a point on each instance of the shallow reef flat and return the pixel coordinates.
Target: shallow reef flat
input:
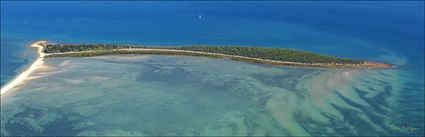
(132, 95)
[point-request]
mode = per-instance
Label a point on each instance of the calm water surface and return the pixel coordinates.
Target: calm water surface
(170, 95)
(167, 95)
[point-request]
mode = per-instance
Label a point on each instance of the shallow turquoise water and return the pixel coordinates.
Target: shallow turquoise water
(176, 95)
(288, 100)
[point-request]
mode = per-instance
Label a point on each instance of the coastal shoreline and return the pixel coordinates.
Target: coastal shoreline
(24, 74)
(41, 55)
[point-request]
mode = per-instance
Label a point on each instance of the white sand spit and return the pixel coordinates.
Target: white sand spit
(24, 75)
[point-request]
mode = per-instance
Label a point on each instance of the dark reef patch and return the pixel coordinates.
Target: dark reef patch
(166, 75)
(44, 122)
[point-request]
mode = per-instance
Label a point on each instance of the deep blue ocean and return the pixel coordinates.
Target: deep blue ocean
(388, 31)
(339, 28)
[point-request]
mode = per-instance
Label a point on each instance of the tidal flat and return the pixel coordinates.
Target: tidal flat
(179, 95)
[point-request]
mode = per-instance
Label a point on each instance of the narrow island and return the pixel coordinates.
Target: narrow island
(274, 56)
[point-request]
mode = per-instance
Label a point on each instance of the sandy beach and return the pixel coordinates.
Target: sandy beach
(24, 75)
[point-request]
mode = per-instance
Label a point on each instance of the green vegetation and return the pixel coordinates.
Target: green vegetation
(117, 52)
(279, 54)
(79, 47)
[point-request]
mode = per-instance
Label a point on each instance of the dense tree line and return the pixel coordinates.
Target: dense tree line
(280, 54)
(118, 52)
(80, 47)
